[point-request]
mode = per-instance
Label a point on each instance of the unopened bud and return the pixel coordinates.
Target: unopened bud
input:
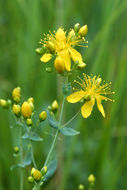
(16, 149)
(81, 66)
(30, 179)
(16, 94)
(9, 102)
(43, 115)
(51, 47)
(59, 65)
(91, 178)
(54, 106)
(16, 109)
(29, 122)
(26, 110)
(39, 51)
(76, 27)
(48, 69)
(81, 187)
(3, 103)
(44, 170)
(83, 30)
(37, 175)
(31, 99)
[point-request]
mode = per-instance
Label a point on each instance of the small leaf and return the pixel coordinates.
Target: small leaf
(32, 136)
(51, 170)
(52, 122)
(69, 131)
(17, 166)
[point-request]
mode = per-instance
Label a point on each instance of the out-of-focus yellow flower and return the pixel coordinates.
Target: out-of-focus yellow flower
(16, 94)
(81, 187)
(3, 103)
(16, 149)
(91, 90)
(16, 109)
(54, 106)
(62, 45)
(26, 110)
(43, 116)
(36, 174)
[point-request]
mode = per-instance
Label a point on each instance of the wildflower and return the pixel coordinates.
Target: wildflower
(54, 106)
(91, 90)
(91, 178)
(36, 174)
(44, 170)
(81, 187)
(26, 110)
(62, 46)
(16, 94)
(43, 116)
(16, 109)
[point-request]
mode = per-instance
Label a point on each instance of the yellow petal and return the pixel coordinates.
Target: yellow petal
(76, 56)
(66, 58)
(60, 35)
(87, 108)
(76, 96)
(46, 57)
(99, 105)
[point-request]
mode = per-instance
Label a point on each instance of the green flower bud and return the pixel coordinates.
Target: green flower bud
(30, 179)
(44, 170)
(81, 187)
(48, 69)
(16, 149)
(39, 51)
(54, 106)
(29, 122)
(91, 178)
(3, 103)
(81, 66)
(76, 27)
(9, 102)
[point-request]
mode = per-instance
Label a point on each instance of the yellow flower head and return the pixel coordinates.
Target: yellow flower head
(62, 45)
(92, 89)
(26, 110)
(16, 94)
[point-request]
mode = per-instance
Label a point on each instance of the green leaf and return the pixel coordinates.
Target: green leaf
(17, 166)
(51, 121)
(28, 159)
(32, 136)
(69, 131)
(51, 170)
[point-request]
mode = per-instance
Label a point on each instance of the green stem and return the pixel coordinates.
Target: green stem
(21, 154)
(71, 119)
(32, 154)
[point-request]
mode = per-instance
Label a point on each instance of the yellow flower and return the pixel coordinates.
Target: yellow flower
(91, 90)
(16, 94)
(62, 46)
(16, 109)
(26, 110)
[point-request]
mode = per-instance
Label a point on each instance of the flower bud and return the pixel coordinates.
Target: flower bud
(26, 110)
(76, 27)
(81, 66)
(16, 109)
(37, 175)
(32, 171)
(3, 103)
(43, 116)
(44, 170)
(81, 187)
(83, 30)
(29, 122)
(9, 102)
(39, 51)
(51, 47)
(54, 106)
(30, 179)
(87, 97)
(31, 102)
(91, 178)
(48, 69)
(59, 65)
(16, 94)
(16, 149)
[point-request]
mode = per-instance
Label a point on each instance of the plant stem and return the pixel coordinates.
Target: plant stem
(32, 154)
(21, 154)
(71, 119)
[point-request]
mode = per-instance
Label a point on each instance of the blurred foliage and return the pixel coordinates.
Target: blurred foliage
(101, 147)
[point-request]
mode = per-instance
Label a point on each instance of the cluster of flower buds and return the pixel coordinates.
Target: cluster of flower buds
(54, 107)
(37, 175)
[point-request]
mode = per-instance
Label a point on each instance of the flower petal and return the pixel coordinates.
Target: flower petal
(76, 56)
(99, 105)
(66, 58)
(76, 96)
(46, 57)
(87, 108)
(60, 35)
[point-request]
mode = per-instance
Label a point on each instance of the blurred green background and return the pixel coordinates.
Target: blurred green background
(101, 148)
